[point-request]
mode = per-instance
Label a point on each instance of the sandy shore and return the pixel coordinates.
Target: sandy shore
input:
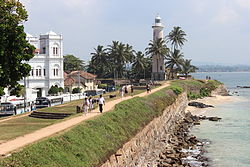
(214, 100)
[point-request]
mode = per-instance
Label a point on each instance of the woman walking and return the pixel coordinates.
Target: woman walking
(91, 105)
(85, 106)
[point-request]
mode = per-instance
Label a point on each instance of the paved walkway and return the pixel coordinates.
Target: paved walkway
(22, 141)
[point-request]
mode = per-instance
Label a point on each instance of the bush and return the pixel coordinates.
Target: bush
(193, 96)
(53, 90)
(61, 89)
(76, 90)
(177, 90)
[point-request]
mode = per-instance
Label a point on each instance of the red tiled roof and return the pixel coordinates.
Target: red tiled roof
(65, 75)
(69, 81)
(83, 74)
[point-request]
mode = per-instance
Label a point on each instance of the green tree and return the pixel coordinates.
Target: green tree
(18, 90)
(148, 67)
(139, 65)
(173, 61)
(15, 50)
(99, 63)
(157, 48)
(72, 63)
(177, 38)
(120, 54)
(186, 67)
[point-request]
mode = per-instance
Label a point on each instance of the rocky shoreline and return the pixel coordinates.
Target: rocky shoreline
(184, 149)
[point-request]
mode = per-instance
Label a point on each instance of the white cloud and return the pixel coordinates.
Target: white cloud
(226, 15)
(243, 3)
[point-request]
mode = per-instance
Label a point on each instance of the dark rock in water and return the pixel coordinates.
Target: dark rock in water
(197, 123)
(199, 105)
(202, 117)
(214, 118)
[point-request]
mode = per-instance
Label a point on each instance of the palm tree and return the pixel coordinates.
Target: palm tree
(99, 63)
(187, 68)
(120, 54)
(177, 38)
(139, 65)
(100, 55)
(130, 53)
(174, 60)
(157, 48)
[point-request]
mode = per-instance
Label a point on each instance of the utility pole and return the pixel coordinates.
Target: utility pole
(70, 90)
(79, 84)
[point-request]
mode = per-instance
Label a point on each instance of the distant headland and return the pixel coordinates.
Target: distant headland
(223, 68)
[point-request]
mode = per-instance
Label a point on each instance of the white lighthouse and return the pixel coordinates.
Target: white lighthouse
(158, 67)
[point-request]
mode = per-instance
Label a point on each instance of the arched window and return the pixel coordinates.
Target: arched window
(32, 72)
(56, 70)
(39, 71)
(55, 49)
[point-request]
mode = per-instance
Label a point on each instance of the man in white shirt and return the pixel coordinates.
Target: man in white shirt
(101, 102)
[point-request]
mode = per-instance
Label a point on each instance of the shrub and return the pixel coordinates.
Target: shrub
(193, 96)
(53, 90)
(61, 89)
(177, 90)
(76, 90)
(204, 92)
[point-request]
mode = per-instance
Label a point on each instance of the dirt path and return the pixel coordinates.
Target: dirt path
(22, 141)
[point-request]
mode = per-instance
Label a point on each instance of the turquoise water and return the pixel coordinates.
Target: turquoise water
(230, 138)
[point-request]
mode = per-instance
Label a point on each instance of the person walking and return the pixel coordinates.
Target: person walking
(132, 90)
(122, 91)
(91, 105)
(126, 90)
(85, 106)
(101, 102)
(148, 88)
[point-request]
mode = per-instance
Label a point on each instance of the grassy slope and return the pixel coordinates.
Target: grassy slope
(93, 141)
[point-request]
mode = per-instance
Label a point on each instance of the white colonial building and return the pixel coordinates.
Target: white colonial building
(47, 64)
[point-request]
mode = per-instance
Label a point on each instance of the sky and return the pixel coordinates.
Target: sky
(218, 31)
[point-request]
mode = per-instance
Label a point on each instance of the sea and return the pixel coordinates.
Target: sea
(229, 138)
